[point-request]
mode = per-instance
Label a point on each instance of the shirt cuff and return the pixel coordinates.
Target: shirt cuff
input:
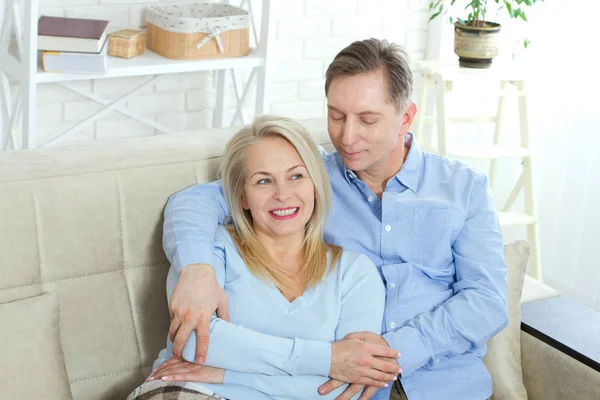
(413, 352)
(235, 378)
(192, 253)
(314, 357)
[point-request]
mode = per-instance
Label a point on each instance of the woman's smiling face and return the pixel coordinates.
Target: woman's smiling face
(278, 191)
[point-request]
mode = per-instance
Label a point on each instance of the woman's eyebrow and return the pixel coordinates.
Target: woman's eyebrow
(270, 174)
(295, 166)
(260, 173)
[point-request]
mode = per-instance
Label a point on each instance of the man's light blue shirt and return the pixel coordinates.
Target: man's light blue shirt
(435, 239)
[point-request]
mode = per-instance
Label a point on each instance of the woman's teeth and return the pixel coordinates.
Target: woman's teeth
(284, 213)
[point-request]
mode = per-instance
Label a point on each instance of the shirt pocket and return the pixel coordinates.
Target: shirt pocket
(434, 232)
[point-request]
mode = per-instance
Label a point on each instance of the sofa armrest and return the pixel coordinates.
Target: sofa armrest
(560, 354)
(535, 290)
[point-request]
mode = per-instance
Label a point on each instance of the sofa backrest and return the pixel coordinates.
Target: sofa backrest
(85, 222)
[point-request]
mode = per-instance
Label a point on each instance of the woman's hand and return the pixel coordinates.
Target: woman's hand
(176, 369)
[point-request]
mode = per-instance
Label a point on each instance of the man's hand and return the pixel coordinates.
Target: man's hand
(358, 360)
(389, 359)
(194, 301)
(369, 337)
(176, 369)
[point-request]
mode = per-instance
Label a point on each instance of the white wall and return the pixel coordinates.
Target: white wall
(305, 36)
(564, 110)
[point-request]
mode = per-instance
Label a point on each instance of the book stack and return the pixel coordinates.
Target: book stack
(73, 45)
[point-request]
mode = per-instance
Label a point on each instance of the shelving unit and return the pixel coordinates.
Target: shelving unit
(18, 117)
(442, 77)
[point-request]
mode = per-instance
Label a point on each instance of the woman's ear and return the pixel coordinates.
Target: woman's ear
(245, 205)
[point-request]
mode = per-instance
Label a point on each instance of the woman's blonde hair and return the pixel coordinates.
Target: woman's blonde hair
(233, 176)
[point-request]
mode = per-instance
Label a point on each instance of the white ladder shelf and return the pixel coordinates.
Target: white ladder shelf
(18, 117)
(442, 77)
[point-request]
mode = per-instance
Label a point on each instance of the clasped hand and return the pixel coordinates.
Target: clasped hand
(362, 359)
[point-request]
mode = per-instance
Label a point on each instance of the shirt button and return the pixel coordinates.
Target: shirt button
(370, 198)
(392, 325)
(392, 284)
(388, 228)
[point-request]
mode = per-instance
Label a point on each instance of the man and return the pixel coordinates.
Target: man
(427, 222)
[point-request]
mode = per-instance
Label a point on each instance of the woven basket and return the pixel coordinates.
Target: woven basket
(196, 31)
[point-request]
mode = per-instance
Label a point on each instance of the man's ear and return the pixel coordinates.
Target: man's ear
(408, 117)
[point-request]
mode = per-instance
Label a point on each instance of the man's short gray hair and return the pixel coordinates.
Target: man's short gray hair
(371, 55)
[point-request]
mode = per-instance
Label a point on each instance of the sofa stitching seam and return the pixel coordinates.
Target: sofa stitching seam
(106, 376)
(122, 223)
(38, 233)
(82, 276)
(110, 169)
(196, 173)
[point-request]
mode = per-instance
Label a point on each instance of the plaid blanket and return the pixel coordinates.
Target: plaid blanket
(159, 390)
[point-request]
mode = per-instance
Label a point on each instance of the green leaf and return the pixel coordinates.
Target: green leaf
(508, 7)
(522, 15)
(438, 12)
(526, 43)
(460, 21)
(434, 4)
(434, 16)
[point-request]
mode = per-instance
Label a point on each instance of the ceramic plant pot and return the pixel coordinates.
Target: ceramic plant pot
(476, 46)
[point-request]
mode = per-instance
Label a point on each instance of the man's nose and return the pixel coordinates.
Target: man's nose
(348, 133)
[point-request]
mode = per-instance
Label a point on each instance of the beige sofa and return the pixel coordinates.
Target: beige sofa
(85, 222)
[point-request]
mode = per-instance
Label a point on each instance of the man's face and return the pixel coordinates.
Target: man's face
(365, 127)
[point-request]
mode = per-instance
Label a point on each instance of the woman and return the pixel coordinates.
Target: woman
(288, 290)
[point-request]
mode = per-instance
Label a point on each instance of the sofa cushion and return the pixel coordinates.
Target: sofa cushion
(33, 366)
(550, 374)
(503, 358)
(85, 221)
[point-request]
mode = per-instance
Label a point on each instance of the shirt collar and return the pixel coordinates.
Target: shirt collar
(410, 172)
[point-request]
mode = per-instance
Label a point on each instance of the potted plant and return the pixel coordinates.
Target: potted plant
(476, 38)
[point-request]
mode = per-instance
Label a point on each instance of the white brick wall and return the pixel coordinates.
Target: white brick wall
(305, 36)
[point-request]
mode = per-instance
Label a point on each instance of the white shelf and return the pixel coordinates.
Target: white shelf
(449, 71)
(494, 152)
(150, 63)
(510, 80)
(512, 219)
(490, 152)
(21, 22)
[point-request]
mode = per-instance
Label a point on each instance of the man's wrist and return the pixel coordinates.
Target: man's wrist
(197, 268)
(335, 348)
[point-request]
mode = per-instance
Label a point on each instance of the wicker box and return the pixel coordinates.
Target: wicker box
(196, 31)
(126, 43)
